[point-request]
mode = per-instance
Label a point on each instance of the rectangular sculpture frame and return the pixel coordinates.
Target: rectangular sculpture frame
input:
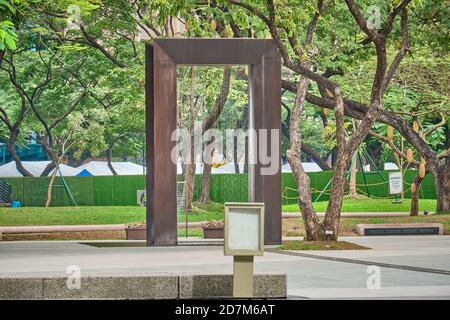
(162, 58)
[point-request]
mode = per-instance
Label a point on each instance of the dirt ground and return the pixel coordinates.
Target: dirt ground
(93, 235)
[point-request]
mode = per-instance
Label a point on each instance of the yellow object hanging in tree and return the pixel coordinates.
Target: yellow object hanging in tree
(422, 170)
(213, 25)
(409, 155)
(416, 126)
(326, 111)
(390, 133)
(228, 32)
(413, 188)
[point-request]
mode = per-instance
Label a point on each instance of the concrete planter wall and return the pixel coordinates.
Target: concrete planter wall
(136, 233)
(213, 233)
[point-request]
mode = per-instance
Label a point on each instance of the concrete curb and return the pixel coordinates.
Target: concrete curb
(155, 286)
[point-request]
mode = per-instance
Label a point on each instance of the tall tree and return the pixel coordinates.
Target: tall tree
(270, 15)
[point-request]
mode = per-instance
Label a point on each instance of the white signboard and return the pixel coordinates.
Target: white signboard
(244, 229)
(395, 182)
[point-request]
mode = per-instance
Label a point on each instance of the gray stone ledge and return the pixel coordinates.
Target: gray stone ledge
(271, 285)
(155, 286)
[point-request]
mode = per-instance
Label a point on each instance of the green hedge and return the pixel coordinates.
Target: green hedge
(121, 190)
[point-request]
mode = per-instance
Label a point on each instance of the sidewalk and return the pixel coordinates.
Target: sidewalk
(308, 276)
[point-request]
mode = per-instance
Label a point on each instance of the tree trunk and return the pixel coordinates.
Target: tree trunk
(206, 183)
(2, 54)
(235, 156)
(50, 187)
(109, 160)
(189, 184)
(313, 228)
(352, 186)
(338, 186)
(52, 180)
(246, 156)
(414, 211)
(442, 183)
(51, 154)
(206, 176)
(12, 151)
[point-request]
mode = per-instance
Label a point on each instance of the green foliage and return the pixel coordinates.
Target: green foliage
(113, 107)
(7, 34)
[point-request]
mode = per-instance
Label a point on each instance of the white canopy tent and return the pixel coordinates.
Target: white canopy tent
(307, 166)
(198, 168)
(100, 168)
(390, 166)
(228, 169)
(35, 168)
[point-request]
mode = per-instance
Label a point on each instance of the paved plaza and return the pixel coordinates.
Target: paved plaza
(411, 267)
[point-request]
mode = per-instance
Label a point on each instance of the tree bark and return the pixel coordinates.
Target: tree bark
(189, 184)
(442, 184)
(352, 185)
(235, 156)
(50, 187)
(10, 146)
(51, 154)
(414, 210)
(206, 176)
(52, 180)
(206, 183)
(333, 213)
(109, 160)
(345, 151)
(313, 228)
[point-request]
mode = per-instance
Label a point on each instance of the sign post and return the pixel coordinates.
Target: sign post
(244, 239)
(395, 183)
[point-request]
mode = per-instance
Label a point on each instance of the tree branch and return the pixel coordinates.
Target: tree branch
(435, 127)
(393, 146)
(404, 49)
(220, 101)
(95, 44)
(362, 23)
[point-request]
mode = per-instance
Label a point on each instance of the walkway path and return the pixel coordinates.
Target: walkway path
(308, 276)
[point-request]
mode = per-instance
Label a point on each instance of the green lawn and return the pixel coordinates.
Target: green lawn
(70, 215)
(123, 215)
(294, 227)
(369, 205)
(94, 215)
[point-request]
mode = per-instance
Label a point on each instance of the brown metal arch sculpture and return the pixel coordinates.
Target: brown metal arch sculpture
(162, 57)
